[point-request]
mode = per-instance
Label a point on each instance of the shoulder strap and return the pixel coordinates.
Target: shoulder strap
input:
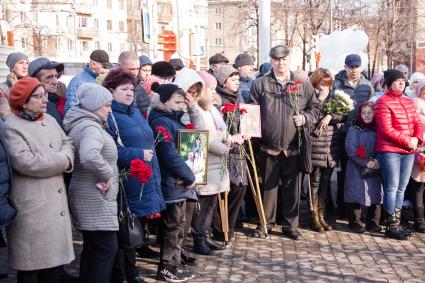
(117, 131)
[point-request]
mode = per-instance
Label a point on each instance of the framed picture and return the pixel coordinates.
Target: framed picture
(250, 124)
(193, 148)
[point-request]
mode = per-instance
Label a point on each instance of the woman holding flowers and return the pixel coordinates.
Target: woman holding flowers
(135, 141)
(325, 146)
(362, 188)
(418, 171)
(227, 89)
(177, 179)
(94, 185)
(399, 133)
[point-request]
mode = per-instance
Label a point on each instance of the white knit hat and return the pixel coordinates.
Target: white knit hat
(93, 96)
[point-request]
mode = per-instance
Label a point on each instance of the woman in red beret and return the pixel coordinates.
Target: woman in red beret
(40, 237)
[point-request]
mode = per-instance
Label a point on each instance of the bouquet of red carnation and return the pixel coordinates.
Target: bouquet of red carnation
(163, 135)
(361, 152)
(190, 127)
(140, 171)
(294, 95)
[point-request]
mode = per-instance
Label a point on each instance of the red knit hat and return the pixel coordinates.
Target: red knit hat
(21, 91)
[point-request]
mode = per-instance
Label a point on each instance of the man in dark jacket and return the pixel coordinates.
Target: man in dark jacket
(47, 72)
(285, 104)
(352, 82)
(244, 63)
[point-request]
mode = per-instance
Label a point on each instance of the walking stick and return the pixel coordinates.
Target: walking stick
(310, 203)
(257, 195)
(223, 216)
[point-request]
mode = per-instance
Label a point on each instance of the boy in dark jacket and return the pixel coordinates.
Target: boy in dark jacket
(167, 113)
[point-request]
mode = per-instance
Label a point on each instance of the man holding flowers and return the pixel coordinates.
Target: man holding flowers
(286, 105)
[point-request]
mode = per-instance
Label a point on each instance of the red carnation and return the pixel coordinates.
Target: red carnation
(190, 126)
(154, 216)
(242, 110)
(298, 82)
(140, 171)
(360, 152)
(165, 135)
(229, 107)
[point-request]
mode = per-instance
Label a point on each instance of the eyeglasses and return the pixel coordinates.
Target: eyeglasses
(40, 96)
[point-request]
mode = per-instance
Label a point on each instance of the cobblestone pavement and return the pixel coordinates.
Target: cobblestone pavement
(335, 256)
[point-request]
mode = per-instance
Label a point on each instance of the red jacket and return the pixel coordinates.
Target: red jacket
(396, 121)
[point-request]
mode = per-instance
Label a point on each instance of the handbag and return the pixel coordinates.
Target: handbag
(131, 233)
(306, 166)
(367, 172)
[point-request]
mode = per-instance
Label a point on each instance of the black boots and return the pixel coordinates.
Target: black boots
(187, 259)
(214, 245)
(372, 218)
(392, 227)
(354, 218)
(419, 219)
(200, 246)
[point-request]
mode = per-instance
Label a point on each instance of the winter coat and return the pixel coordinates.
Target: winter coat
(7, 211)
(40, 236)
(397, 121)
(4, 94)
(135, 136)
(326, 147)
(419, 103)
(87, 76)
(95, 162)
(275, 106)
(245, 84)
(365, 191)
(236, 162)
(217, 180)
(141, 98)
(173, 167)
(359, 94)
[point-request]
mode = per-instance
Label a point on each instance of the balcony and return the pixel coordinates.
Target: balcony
(83, 9)
(86, 32)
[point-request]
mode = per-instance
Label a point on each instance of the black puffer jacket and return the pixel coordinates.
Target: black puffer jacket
(277, 126)
(325, 148)
(359, 94)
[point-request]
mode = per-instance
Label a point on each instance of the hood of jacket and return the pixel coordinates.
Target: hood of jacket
(187, 78)
(77, 116)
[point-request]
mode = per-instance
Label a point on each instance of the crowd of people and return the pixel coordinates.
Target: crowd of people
(66, 151)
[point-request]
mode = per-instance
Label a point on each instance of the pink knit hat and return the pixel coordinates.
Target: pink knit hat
(208, 79)
(147, 82)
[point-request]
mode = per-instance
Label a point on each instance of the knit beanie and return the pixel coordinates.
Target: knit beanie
(148, 81)
(163, 69)
(392, 75)
(224, 72)
(243, 59)
(21, 91)
(165, 91)
(13, 58)
(93, 96)
(208, 79)
(144, 60)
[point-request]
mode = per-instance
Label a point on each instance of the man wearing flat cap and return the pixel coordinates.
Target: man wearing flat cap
(215, 63)
(352, 82)
(47, 72)
(279, 93)
(99, 61)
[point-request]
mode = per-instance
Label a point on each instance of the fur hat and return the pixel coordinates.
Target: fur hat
(92, 96)
(163, 69)
(392, 75)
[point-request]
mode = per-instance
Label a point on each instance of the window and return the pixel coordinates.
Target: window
(218, 42)
(83, 22)
(109, 46)
(121, 26)
(24, 42)
(96, 23)
(109, 24)
(96, 45)
(84, 45)
(217, 26)
(22, 17)
(218, 11)
(57, 20)
(121, 4)
(109, 4)
(122, 46)
(69, 45)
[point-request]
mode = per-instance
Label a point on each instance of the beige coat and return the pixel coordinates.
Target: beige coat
(419, 103)
(217, 181)
(40, 152)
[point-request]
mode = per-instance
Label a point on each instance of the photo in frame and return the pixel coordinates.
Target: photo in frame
(193, 148)
(250, 121)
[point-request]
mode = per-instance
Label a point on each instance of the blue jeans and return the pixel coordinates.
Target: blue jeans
(395, 171)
